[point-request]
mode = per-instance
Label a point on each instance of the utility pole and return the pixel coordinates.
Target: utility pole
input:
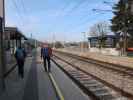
(31, 35)
(83, 43)
(53, 40)
(2, 61)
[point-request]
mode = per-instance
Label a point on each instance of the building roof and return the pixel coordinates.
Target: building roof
(106, 36)
(15, 33)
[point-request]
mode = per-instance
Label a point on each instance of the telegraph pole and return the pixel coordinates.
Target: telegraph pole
(2, 25)
(83, 43)
(53, 40)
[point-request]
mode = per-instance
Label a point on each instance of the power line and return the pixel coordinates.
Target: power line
(83, 23)
(72, 9)
(20, 17)
(23, 6)
(21, 13)
(77, 5)
(108, 3)
(63, 10)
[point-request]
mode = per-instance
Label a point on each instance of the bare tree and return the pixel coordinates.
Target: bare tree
(99, 30)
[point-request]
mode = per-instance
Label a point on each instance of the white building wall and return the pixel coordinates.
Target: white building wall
(105, 51)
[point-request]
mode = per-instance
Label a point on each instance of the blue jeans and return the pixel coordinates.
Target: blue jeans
(47, 61)
(20, 67)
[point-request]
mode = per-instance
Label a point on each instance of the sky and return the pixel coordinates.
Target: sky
(56, 20)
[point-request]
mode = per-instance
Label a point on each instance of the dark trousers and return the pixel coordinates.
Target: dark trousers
(20, 67)
(47, 61)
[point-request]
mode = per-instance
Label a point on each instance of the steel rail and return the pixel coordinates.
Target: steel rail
(124, 93)
(114, 67)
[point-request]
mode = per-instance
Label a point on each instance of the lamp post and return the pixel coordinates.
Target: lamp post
(83, 43)
(53, 40)
(2, 25)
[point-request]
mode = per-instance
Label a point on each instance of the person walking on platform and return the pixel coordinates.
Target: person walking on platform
(20, 56)
(46, 53)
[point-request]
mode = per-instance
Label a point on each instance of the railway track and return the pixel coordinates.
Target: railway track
(119, 68)
(98, 87)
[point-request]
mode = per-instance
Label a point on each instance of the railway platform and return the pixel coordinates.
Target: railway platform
(40, 85)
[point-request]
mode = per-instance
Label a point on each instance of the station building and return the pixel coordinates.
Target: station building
(109, 44)
(12, 39)
(110, 41)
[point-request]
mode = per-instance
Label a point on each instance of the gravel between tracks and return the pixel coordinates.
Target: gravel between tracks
(119, 80)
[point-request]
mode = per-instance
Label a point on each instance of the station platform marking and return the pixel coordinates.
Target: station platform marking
(58, 91)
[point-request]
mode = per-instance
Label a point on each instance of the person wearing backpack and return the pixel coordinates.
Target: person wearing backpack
(46, 53)
(20, 56)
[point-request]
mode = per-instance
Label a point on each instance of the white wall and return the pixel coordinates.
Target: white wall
(106, 51)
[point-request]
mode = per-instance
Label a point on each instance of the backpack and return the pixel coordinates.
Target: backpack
(20, 54)
(45, 52)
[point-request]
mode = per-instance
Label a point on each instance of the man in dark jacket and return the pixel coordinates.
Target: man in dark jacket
(20, 56)
(46, 53)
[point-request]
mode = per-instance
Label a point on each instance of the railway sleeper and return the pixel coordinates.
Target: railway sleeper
(91, 81)
(101, 92)
(106, 97)
(120, 98)
(80, 76)
(84, 79)
(93, 85)
(97, 89)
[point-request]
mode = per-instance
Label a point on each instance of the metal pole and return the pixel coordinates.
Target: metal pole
(2, 25)
(53, 40)
(83, 43)
(2, 85)
(125, 43)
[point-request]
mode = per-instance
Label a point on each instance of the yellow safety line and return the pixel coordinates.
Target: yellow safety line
(56, 87)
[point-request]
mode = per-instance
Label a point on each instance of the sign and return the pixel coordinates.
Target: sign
(2, 8)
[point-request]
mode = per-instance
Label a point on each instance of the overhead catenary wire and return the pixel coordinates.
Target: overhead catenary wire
(60, 13)
(76, 6)
(20, 17)
(22, 13)
(108, 3)
(71, 10)
(82, 24)
(25, 11)
(23, 6)
(97, 11)
(86, 20)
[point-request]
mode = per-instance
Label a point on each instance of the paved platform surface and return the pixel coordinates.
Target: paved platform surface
(69, 90)
(36, 84)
